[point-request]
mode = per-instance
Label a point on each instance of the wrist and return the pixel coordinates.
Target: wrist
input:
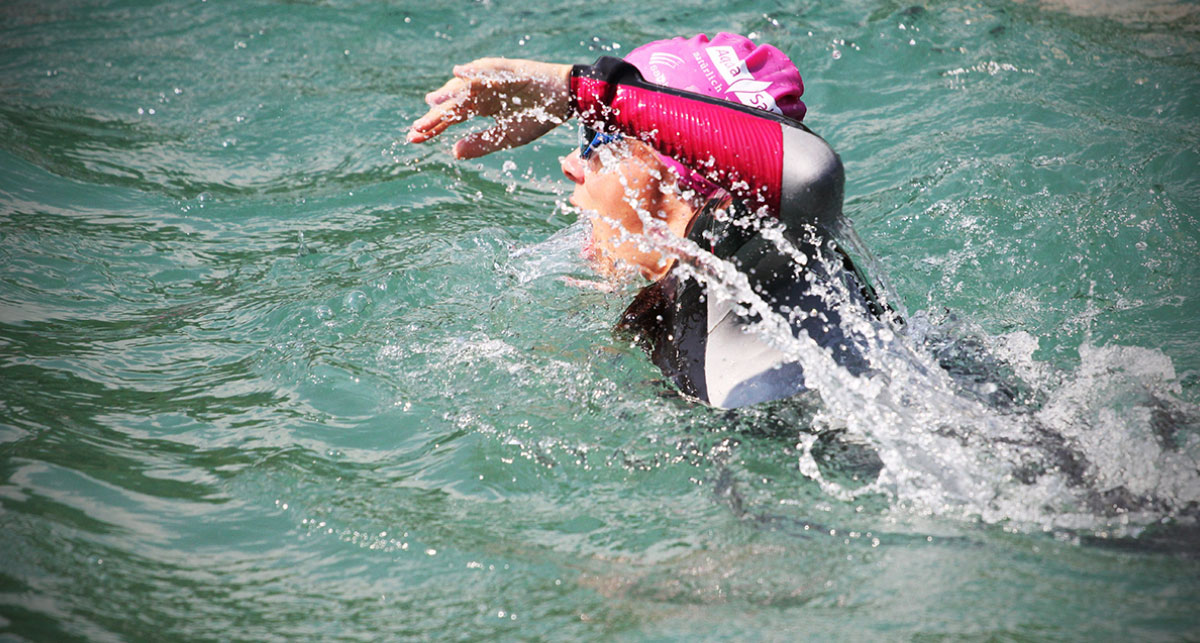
(564, 100)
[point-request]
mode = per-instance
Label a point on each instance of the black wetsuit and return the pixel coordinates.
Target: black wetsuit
(782, 182)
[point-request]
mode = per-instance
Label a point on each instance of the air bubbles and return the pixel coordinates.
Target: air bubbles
(355, 301)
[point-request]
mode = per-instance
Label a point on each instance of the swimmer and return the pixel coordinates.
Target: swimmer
(694, 139)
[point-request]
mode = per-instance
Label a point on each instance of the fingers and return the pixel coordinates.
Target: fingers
(450, 110)
(421, 131)
(428, 126)
(469, 79)
(466, 76)
(452, 88)
(457, 100)
(482, 143)
(445, 114)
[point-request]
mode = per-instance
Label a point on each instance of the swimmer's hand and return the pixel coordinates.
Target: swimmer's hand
(527, 99)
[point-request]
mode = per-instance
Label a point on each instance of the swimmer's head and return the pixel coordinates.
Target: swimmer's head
(622, 184)
(729, 67)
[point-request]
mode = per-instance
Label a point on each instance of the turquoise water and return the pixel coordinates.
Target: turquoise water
(268, 372)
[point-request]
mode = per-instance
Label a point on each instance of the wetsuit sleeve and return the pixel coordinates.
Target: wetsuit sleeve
(760, 157)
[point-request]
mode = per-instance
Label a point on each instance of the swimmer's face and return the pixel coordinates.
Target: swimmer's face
(612, 185)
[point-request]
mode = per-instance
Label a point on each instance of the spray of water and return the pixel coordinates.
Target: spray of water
(1108, 449)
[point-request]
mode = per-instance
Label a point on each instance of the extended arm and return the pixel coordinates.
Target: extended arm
(758, 156)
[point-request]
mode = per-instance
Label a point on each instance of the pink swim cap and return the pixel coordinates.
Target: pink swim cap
(730, 67)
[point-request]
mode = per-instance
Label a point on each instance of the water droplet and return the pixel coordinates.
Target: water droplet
(355, 301)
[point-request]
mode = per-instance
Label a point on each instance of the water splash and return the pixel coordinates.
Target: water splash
(970, 426)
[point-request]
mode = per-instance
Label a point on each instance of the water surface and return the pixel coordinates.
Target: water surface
(268, 372)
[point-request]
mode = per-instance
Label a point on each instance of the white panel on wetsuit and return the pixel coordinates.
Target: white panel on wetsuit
(741, 369)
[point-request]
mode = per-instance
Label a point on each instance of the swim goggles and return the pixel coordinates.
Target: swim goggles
(590, 139)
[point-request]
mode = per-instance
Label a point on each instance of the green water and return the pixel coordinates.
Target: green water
(267, 372)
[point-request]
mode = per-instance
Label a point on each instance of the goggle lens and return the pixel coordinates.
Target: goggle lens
(590, 139)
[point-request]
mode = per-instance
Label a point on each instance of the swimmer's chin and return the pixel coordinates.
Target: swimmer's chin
(581, 202)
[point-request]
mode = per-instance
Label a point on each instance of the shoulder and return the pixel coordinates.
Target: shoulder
(812, 181)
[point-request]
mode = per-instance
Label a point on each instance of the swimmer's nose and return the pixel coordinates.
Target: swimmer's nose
(572, 166)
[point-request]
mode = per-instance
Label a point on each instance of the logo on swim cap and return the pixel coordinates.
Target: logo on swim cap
(663, 59)
(669, 60)
(741, 82)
